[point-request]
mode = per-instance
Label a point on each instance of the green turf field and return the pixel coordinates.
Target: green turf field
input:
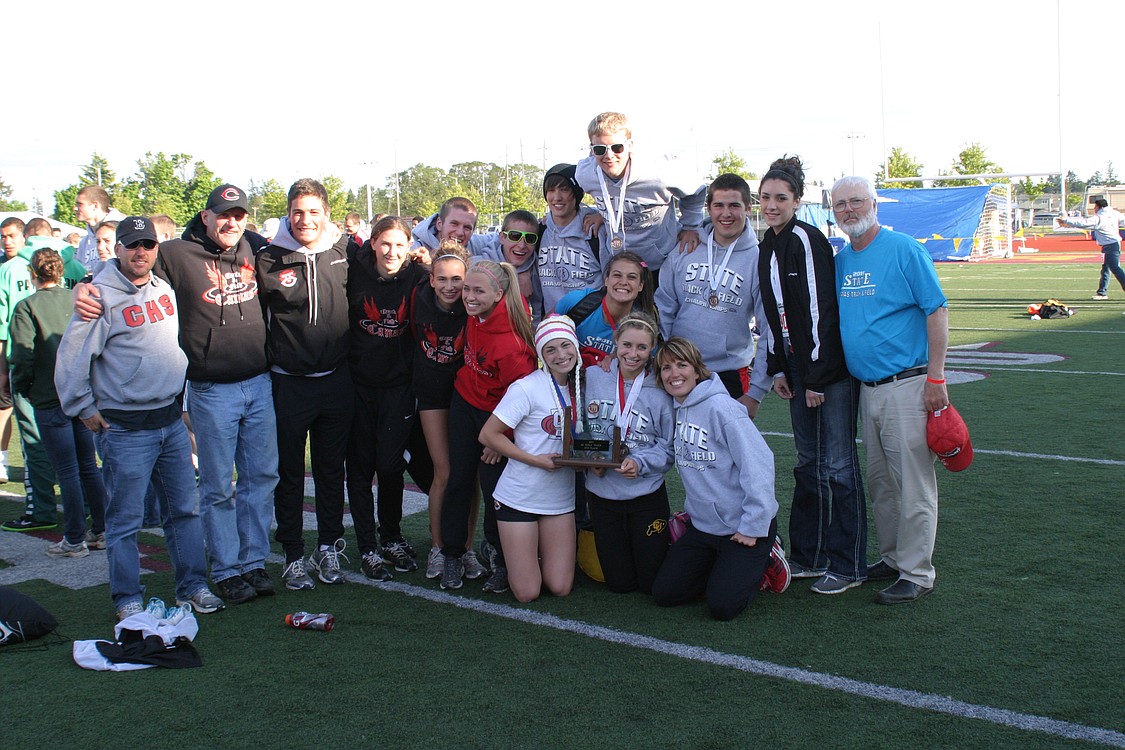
(1020, 646)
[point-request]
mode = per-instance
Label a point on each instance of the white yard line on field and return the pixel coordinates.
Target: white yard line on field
(1013, 454)
(874, 691)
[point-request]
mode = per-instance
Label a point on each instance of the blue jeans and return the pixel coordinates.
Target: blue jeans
(70, 448)
(828, 522)
(1111, 264)
(132, 459)
(236, 427)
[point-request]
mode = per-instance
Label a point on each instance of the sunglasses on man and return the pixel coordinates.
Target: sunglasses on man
(600, 149)
(515, 236)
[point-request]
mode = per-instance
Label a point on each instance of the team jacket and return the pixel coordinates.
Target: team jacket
(223, 329)
(495, 357)
(797, 269)
(439, 339)
(304, 293)
(379, 312)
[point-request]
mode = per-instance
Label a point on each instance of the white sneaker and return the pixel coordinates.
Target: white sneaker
(435, 563)
(63, 548)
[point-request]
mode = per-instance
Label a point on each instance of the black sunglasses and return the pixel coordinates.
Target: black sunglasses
(147, 244)
(599, 150)
(515, 236)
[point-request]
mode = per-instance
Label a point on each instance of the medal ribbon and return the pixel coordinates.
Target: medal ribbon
(717, 273)
(560, 401)
(625, 405)
(616, 218)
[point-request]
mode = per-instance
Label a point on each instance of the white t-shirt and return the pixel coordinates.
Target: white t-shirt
(530, 409)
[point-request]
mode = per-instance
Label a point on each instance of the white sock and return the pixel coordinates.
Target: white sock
(4, 458)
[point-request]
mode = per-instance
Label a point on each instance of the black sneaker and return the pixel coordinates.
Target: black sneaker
(396, 552)
(260, 581)
(497, 583)
(488, 554)
(235, 590)
(452, 573)
(373, 567)
(27, 523)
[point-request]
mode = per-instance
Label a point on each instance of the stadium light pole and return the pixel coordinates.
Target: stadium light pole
(1058, 67)
(852, 137)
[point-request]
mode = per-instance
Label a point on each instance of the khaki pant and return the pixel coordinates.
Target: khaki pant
(901, 479)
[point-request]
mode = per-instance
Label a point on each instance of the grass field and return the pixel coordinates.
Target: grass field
(1019, 647)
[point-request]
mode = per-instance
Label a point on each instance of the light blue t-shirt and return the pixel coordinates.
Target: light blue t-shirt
(886, 292)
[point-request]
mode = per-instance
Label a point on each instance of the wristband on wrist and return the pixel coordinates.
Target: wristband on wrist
(935, 382)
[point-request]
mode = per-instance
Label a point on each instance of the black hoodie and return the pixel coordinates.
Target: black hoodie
(222, 328)
(382, 347)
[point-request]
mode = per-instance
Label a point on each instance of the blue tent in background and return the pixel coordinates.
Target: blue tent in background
(952, 213)
(815, 214)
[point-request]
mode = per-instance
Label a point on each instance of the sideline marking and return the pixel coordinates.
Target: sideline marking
(1044, 329)
(909, 698)
(1013, 454)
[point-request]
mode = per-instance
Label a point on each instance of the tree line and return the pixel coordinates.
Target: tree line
(178, 185)
(974, 159)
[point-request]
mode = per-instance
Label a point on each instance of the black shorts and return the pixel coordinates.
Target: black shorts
(511, 515)
(433, 393)
(737, 382)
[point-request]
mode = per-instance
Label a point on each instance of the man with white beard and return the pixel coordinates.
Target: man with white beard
(894, 328)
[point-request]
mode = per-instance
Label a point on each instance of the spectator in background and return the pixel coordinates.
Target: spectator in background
(105, 237)
(38, 323)
(74, 239)
(165, 227)
(1105, 225)
(92, 207)
(15, 285)
(269, 228)
(11, 239)
(11, 232)
(353, 225)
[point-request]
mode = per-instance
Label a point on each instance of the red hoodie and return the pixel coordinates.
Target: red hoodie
(495, 357)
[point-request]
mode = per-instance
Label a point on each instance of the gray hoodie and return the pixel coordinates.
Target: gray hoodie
(129, 358)
(650, 223)
(723, 332)
(649, 437)
(425, 235)
(566, 262)
(87, 252)
(725, 464)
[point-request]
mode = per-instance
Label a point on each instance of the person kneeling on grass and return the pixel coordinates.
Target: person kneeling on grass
(535, 499)
(726, 550)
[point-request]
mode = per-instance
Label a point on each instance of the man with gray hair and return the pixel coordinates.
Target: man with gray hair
(894, 328)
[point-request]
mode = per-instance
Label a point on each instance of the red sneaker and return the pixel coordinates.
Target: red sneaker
(777, 575)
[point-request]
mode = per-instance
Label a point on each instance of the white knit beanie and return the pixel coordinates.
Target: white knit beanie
(554, 327)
